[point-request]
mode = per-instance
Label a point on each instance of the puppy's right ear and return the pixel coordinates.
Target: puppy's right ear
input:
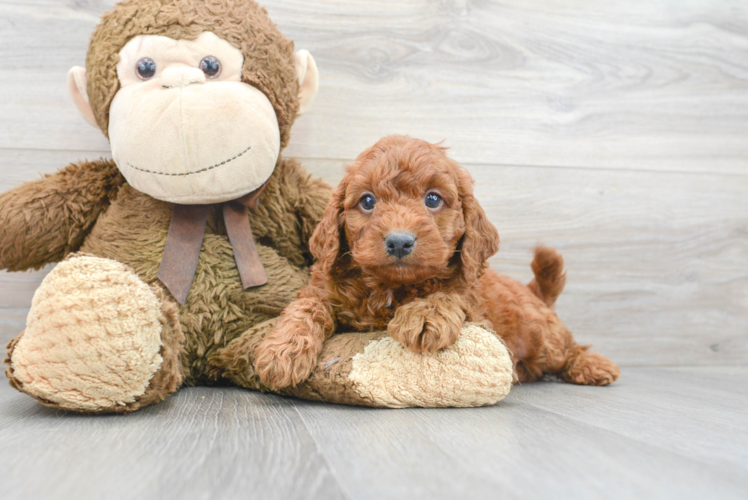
(325, 241)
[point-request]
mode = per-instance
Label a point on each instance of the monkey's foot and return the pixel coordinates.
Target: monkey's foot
(98, 339)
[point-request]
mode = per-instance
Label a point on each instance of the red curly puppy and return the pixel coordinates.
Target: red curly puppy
(403, 246)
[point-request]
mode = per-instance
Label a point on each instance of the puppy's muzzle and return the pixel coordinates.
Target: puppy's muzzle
(399, 243)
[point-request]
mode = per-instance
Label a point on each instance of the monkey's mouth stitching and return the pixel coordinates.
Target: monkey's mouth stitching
(224, 162)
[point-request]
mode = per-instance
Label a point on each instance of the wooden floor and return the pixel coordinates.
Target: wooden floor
(658, 433)
(614, 131)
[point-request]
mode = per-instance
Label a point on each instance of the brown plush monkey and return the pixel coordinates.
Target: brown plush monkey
(178, 255)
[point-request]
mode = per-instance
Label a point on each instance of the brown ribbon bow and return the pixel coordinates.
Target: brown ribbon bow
(186, 231)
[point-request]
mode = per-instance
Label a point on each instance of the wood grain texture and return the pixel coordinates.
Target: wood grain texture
(636, 85)
(201, 443)
(685, 411)
(12, 322)
(657, 264)
(512, 450)
(655, 434)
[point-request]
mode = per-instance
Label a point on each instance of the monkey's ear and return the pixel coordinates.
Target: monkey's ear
(77, 89)
(306, 72)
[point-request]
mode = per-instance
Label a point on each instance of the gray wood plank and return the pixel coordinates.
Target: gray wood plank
(545, 440)
(17, 289)
(700, 414)
(657, 262)
(649, 85)
(512, 450)
(200, 444)
(12, 322)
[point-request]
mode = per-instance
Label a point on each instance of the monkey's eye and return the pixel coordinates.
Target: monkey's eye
(367, 202)
(210, 66)
(145, 68)
(433, 200)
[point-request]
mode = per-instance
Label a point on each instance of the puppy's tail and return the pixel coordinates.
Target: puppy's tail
(550, 278)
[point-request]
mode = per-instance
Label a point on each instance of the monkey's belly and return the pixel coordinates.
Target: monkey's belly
(133, 231)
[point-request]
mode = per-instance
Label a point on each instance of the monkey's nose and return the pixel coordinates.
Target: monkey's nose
(181, 77)
(399, 243)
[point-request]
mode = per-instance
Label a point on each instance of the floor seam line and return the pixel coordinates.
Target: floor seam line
(465, 163)
(322, 454)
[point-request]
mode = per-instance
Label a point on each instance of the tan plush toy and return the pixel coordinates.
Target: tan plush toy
(178, 256)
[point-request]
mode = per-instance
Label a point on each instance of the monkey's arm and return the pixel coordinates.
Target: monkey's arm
(42, 221)
(290, 210)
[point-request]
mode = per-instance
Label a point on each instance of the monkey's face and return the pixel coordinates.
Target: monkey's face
(183, 126)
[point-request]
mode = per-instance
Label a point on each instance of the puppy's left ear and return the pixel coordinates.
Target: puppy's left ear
(481, 239)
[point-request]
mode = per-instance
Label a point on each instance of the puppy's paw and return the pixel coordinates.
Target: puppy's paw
(285, 362)
(591, 368)
(428, 325)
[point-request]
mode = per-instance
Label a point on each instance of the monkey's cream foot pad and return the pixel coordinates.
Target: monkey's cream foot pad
(378, 371)
(93, 337)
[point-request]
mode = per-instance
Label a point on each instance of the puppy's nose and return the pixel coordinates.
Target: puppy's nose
(399, 243)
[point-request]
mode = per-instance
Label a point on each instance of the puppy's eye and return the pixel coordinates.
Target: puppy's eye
(433, 200)
(145, 68)
(367, 202)
(211, 66)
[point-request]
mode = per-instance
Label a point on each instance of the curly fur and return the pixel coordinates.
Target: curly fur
(423, 299)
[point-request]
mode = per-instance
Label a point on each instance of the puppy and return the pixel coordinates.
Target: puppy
(403, 245)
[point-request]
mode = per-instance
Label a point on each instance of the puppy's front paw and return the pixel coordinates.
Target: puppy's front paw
(427, 325)
(288, 362)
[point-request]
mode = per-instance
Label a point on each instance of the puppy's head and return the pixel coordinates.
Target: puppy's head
(405, 213)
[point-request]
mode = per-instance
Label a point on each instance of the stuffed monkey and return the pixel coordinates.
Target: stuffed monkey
(177, 256)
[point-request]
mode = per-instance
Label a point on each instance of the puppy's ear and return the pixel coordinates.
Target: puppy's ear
(481, 239)
(325, 241)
